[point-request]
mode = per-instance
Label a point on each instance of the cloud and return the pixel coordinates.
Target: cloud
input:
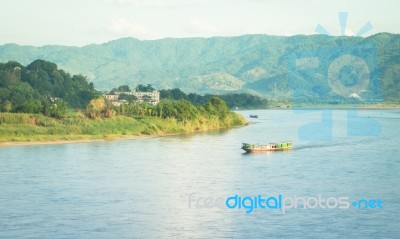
(196, 26)
(125, 2)
(122, 27)
(152, 3)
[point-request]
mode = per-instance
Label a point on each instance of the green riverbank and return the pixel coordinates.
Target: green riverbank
(19, 127)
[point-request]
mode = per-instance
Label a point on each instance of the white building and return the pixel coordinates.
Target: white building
(152, 97)
(111, 97)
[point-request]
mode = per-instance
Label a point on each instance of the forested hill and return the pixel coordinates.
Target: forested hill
(255, 64)
(37, 87)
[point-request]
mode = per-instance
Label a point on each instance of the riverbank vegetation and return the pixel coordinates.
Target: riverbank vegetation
(168, 117)
(233, 100)
(36, 127)
(42, 103)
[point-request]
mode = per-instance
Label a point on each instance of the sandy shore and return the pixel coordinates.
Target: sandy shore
(73, 141)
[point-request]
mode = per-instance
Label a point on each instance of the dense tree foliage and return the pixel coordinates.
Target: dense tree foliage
(175, 94)
(145, 88)
(181, 110)
(128, 98)
(122, 88)
(42, 88)
(239, 100)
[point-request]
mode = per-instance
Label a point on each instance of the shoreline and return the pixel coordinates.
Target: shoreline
(72, 141)
(316, 107)
(144, 136)
(113, 138)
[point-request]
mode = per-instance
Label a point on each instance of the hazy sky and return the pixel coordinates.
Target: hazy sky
(81, 22)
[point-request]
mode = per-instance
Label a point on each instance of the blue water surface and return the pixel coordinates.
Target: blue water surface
(156, 188)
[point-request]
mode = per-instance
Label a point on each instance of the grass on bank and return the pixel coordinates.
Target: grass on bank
(19, 127)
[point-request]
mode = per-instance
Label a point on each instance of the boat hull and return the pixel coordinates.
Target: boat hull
(264, 150)
(254, 148)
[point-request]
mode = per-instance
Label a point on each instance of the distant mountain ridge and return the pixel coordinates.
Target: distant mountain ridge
(251, 63)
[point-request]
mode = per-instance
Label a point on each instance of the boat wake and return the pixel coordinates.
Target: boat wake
(328, 144)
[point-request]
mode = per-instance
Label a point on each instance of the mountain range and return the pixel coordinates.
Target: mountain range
(264, 65)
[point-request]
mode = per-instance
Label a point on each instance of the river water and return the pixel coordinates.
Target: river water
(177, 186)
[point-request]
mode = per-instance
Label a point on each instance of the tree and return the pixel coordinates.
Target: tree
(186, 110)
(121, 88)
(174, 94)
(22, 93)
(33, 107)
(7, 106)
(58, 108)
(143, 88)
(198, 99)
(166, 94)
(166, 109)
(96, 107)
(178, 94)
(4, 94)
(42, 65)
(109, 113)
(216, 106)
(128, 98)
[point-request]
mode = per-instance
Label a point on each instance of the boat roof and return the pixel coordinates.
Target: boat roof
(271, 143)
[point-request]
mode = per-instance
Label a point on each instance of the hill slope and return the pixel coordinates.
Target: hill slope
(259, 64)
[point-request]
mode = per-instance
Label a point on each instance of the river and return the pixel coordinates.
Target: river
(177, 186)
